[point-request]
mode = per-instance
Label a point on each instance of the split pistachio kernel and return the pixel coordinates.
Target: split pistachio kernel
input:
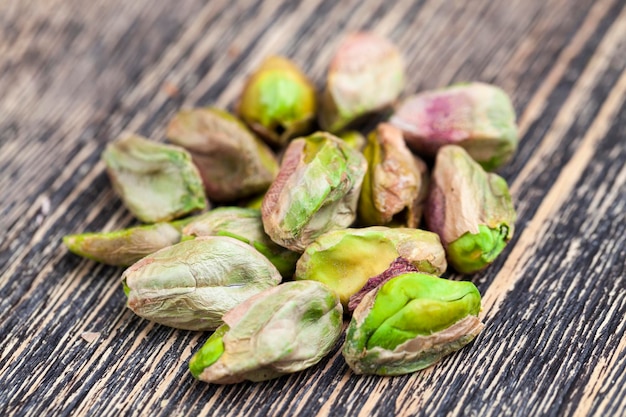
(410, 322)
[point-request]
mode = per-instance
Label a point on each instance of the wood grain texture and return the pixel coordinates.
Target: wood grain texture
(73, 75)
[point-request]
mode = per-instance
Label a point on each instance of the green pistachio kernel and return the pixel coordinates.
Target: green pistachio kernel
(409, 323)
(278, 101)
(345, 259)
(282, 330)
(210, 351)
(473, 252)
(156, 182)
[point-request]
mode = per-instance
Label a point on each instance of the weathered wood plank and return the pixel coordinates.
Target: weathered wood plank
(75, 75)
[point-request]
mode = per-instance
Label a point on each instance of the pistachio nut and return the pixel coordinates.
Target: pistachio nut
(156, 182)
(282, 330)
(316, 190)
(366, 74)
(345, 259)
(395, 185)
(476, 116)
(124, 247)
(410, 322)
(192, 284)
(245, 225)
(471, 210)
(233, 162)
(278, 101)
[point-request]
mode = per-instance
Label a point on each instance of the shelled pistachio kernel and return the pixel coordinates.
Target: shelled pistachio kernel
(409, 323)
(471, 210)
(192, 284)
(366, 74)
(232, 161)
(278, 101)
(156, 182)
(396, 182)
(124, 247)
(244, 224)
(476, 116)
(282, 330)
(345, 259)
(316, 190)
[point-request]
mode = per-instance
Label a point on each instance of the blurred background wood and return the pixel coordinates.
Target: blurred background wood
(74, 74)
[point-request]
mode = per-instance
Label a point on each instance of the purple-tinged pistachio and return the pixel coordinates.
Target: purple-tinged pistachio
(470, 209)
(354, 139)
(398, 267)
(316, 190)
(283, 330)
(476, 116)
(410, 322)
(156, 182)
(192, 284)
(278, 101)
(365, 75)
(124, 247)
(395, 186)
(244, 224)
(233, 162)
(345, 259)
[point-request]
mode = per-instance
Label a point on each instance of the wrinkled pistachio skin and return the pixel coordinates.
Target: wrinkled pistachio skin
(345, 259)
(365, 75)
(282, 330)
(476, 116)
(411, 322)
(156, 182)
(471, 210)
(244, 224)
(316, 190)
(192, 284)
(123, 247)
(394, 185)
(233, 162)
(278, 101)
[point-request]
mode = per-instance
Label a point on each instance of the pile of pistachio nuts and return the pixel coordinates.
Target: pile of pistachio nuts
(272, 254)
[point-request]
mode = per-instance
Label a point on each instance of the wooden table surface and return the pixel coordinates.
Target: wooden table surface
(74, 74)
